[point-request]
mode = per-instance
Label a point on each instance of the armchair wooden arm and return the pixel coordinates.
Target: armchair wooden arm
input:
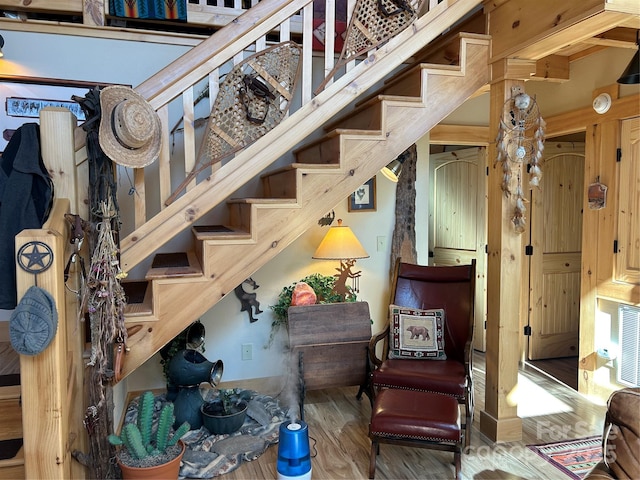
(373, 347)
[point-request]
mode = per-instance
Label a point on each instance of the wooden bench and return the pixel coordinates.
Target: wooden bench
(328, 344)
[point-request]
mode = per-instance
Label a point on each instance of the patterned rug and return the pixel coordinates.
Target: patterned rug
(575, 458)
(209, 455)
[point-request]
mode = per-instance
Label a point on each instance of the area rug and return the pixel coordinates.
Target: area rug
(575, 458)
(208, 455)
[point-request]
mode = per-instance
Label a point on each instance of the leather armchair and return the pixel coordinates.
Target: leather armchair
(621, 437)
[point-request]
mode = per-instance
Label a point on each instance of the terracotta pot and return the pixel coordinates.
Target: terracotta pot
(219, 423)
(166, 471)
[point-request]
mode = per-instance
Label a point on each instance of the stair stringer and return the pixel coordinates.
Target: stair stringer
(276, 225)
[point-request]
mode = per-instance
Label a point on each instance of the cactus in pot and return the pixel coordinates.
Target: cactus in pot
(144, 445)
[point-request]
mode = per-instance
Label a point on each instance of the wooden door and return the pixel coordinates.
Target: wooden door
(628, 257)
(457, 219)
(556, 239)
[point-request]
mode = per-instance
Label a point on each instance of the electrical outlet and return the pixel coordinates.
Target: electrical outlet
(247, 351)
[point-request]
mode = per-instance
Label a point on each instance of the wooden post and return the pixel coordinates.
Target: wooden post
(45, 409)
(57, 126)
(52, 381)
(499, 420)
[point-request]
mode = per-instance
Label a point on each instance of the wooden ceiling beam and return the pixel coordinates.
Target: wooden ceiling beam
(534, 30)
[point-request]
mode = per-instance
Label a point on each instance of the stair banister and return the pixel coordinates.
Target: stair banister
(249, 162)
(179, 78)
(213, 52)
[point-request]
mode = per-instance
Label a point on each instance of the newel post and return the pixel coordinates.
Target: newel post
(51, 387)
(45, 408)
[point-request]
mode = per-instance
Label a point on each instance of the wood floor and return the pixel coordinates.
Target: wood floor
(338, 427)
(564, 370)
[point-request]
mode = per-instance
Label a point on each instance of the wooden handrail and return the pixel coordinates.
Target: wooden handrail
(247, 164)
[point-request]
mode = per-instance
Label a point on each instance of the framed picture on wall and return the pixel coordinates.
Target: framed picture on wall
(364, 198)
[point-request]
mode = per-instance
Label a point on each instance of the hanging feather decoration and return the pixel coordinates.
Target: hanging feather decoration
(520, 140)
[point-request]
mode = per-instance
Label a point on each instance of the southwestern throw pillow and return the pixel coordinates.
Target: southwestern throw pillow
(416, 334)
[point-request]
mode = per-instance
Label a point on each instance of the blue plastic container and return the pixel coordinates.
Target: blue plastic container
(294, 459)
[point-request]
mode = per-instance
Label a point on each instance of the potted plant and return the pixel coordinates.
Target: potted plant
(149, 452)
(322, 285)
(226, 413)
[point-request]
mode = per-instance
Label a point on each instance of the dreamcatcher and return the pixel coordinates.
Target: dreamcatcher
(520, 140)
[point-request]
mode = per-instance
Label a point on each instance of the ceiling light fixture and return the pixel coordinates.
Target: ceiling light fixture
(631, 75)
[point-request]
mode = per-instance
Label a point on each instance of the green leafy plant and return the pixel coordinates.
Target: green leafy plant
(227, 403)
(141, 440)
(322, 285)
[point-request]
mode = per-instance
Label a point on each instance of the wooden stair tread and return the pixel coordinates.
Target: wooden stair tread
(311, 143)
(297, 165)
(177, 264)
(139, 298)
(269, 201)
(10, 392)
(217, 232)
(13, 468)
(10, 418)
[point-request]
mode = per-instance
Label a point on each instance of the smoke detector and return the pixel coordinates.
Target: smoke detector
(602, 103)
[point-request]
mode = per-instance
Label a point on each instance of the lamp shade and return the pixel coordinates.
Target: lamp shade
(632, 74)
(340, 243)
(394, 168)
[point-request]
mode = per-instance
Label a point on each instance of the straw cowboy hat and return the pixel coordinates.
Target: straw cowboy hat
(129, 127)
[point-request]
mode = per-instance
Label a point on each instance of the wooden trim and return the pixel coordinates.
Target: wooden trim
(459, 135)
(88, 31)
(578, 120)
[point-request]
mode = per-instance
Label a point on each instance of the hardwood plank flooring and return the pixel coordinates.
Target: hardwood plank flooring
(338, 427)
(564, 370)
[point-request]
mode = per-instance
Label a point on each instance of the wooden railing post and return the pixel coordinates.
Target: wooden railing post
(52, 381)
(45, 409)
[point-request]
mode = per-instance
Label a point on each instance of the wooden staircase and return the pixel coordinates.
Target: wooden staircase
(294, 197)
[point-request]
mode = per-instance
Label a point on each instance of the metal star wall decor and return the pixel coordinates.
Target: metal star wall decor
(35, 257)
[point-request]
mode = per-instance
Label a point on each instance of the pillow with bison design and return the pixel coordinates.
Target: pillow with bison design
(416, 334)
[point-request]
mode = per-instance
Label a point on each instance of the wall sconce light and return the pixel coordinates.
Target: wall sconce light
(393, 169)
(632, 73)
(340, 243)
(1, 45)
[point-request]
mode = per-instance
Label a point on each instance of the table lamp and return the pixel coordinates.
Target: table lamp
(340, 243)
